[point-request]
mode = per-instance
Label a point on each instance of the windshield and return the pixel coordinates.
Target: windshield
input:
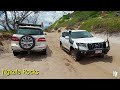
(30, 31)
(82, 34)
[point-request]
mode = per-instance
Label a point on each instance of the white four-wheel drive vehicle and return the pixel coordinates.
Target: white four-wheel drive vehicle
(81, 43)
(28, 38)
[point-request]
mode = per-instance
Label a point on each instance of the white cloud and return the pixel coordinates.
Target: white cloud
(51, 16)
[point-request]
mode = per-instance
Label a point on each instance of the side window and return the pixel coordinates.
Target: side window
(63, 34)
(67, 33)
(41, 32)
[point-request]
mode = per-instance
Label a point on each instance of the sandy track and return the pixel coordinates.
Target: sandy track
(59, 64)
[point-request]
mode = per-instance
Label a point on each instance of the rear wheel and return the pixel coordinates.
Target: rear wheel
(75, 55)
(16, 53)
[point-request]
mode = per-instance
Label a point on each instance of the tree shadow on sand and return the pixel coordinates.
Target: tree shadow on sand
(88, 60)
(35, 56)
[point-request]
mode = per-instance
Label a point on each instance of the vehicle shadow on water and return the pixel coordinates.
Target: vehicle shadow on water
(35, 56)
(88, 60)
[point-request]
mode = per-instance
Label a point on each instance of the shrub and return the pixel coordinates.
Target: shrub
(7, 34)
(102, 24)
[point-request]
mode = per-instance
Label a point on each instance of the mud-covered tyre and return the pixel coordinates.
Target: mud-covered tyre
(75, 55)
(44, 52)
(16, 53)
(27, 42)
(100, 56)
(61, 46)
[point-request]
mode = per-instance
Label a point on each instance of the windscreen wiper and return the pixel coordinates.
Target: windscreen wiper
(82, 37)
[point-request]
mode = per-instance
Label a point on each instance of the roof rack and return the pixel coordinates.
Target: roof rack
(24, 24)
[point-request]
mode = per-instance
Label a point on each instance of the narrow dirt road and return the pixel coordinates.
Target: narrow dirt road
(59, 65)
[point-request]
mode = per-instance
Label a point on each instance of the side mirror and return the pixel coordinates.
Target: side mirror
(70, 32)
(66, 37)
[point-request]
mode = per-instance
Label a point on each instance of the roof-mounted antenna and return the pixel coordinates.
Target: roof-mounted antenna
(107, 37)
(70, 40)
(107, 33)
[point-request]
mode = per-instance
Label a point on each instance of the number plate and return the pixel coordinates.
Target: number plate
(98, 51)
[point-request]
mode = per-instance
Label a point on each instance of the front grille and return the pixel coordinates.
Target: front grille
(96, 45)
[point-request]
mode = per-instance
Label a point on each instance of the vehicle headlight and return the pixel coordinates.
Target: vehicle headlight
(107, 43)
(81, 44)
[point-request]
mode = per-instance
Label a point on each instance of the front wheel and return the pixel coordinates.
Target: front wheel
(75, 55)
(44, 52)
(16, 53)
(61, 46)
(100, 56)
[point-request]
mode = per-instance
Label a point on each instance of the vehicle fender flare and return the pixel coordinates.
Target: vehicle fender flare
(74, 45)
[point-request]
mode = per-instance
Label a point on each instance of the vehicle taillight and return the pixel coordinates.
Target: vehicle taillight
(41, 40)
(14, 38)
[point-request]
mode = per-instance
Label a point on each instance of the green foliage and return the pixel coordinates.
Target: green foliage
(66, 17)
(71, 19)
(7, 34)
(103, 24)
(89, 20)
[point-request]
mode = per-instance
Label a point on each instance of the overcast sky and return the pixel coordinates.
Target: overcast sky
(47, 17)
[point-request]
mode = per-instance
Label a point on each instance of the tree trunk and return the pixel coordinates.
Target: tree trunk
(6, 19)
